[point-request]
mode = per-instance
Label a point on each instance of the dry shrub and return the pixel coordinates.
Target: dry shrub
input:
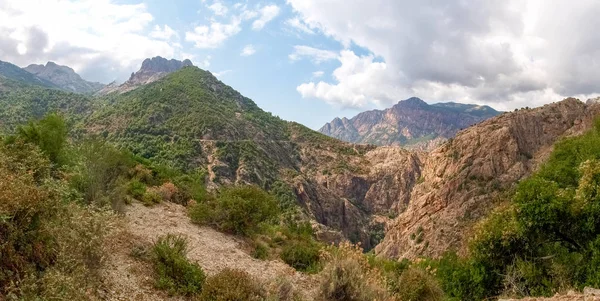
(349, 277)
(167, 191)
(231, 285)
(141, 173)
(418, 285)
(283, 290)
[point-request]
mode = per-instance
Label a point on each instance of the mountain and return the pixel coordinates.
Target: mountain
(152, 70)
(10, 71)
(411, 123)
(63, 77)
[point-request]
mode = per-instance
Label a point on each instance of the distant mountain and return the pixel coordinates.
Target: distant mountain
(152, 70)
(63, 77)
(14, 72)
(411, 123)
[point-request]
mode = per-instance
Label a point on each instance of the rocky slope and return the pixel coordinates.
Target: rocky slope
(152, 70)
(63, 77)
(411, 122)
(462, 180)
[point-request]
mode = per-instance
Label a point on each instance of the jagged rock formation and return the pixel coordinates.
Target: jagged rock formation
(462, 180)
(63, 77)
(13, 72)
(411, 123)
(152, 70)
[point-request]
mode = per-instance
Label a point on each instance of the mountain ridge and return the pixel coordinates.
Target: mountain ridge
(64, 77)
(411, 123)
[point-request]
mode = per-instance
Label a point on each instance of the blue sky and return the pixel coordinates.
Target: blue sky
(312, 60)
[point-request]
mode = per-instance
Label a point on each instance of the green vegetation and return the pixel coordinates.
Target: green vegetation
(175, 273)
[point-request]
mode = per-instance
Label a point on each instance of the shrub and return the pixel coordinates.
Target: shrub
(418, 285)
(237, 210)
(151, 197)
(175, 273)
(302, 255)
(168, 191)
(348, 276)
(231, 285)
(50, 134)
(136, 189)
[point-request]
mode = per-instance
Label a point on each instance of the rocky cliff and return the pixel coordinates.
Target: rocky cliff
(152, 70)
(412, 123)
(463, 179)
(63, 77)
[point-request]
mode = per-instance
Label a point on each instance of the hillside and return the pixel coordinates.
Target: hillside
(410, 123)
(13, 72)
(63, 77)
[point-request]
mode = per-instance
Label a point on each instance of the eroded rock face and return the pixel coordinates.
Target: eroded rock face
(462, 178)
(411, 122)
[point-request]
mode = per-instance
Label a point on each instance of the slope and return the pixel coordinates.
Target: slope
(13, 72)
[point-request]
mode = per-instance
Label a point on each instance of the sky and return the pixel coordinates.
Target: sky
(312, 60)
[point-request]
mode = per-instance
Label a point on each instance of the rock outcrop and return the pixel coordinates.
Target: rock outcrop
(411, 123)
(152, 70)
(462, 179)
(64, 77)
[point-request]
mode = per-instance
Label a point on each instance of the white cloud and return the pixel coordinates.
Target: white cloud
(214, 35)
(248, 50)
(501, 52)
(218, 8)
(267, 13)
(315, 54)
(318, 74)
(165, 33)
(100, 39)
(297, 24)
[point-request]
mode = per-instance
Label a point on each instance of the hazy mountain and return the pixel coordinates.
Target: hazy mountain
(63, 77)
(10, 71)
(411, 123)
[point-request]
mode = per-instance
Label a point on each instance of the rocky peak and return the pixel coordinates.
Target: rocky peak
(413, 102)
(152, 70)
(160, 64)
(64, 77)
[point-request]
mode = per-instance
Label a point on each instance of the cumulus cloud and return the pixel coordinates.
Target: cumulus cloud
(314, 54)
(98, 38)
(267, 13)
(248, 50)
(218, 8)
(499, 52)
(318, 74)
(165, 33)
(213, 36)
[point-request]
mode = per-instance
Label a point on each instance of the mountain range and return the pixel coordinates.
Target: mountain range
(401, 203)
(411, 123)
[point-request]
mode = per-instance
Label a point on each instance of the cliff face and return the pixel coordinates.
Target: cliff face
(462, 180)
(410, 123)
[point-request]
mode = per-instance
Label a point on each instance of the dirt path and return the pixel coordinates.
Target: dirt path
(131, 279)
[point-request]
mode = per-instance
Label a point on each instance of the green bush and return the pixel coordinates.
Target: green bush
(151, 197)
(238, 210)
(302, 255)
(50, 134)
(136, 189)
(231, 285)
(175, 273)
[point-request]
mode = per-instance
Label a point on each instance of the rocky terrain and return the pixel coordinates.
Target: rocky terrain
(13, 72)
(462, 180)
(411, 123)
(63, 77)
(152, 70)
